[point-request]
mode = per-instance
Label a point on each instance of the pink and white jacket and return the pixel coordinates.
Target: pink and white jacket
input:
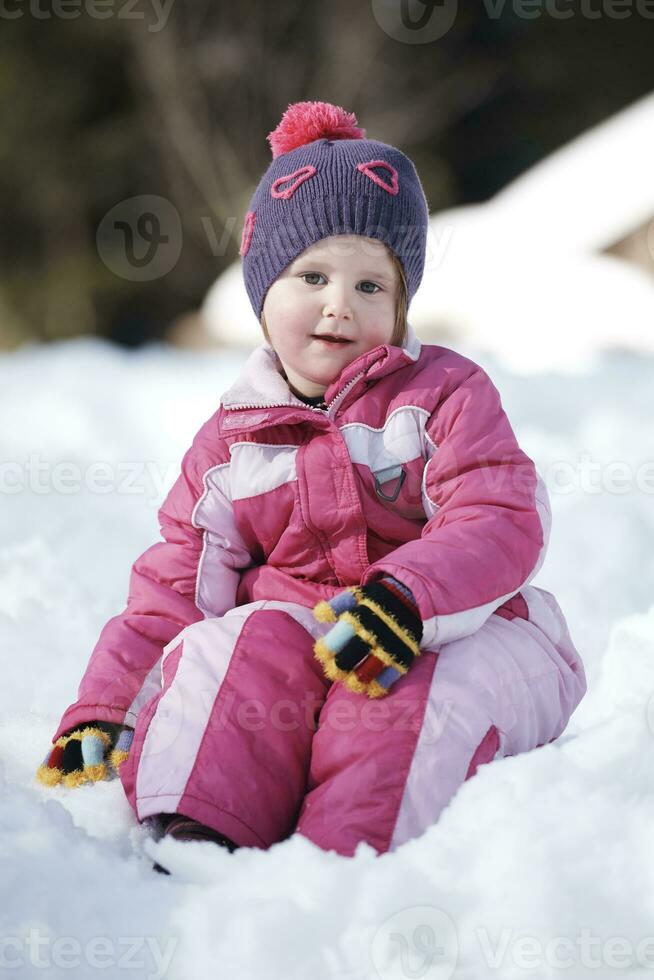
(412, 470)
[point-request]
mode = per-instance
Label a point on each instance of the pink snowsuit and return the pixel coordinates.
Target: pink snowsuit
(414, 471)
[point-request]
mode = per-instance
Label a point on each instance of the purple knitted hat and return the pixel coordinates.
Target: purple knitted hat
(327, 179)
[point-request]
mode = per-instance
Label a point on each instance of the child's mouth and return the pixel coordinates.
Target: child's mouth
(332, 340)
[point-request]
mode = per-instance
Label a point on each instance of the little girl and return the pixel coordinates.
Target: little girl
(338, 627)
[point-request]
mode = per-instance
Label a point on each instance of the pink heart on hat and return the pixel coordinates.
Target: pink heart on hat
(365, 168)
(304, 173)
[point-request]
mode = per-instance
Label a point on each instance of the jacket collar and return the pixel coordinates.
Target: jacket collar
(262, 385)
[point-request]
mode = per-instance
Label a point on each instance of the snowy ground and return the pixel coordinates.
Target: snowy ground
(542, 864)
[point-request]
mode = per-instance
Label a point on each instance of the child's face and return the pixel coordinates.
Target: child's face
(345, 286)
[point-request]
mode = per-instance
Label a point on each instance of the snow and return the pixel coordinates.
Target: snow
(581, 184)
(541, 864)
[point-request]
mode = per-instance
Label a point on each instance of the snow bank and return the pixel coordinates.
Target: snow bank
(540, 865)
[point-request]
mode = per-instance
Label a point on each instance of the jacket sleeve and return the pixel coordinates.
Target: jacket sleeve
(488, 516)
(192, 573)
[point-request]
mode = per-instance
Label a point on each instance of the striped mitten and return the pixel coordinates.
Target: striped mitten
(86, 754)
(376, 637)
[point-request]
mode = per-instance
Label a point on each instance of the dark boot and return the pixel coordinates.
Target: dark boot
(179, 827)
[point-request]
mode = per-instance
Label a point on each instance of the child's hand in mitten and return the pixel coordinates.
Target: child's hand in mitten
(88, 753)
(376, 637)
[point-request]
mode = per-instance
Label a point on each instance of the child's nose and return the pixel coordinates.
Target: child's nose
(337, 304)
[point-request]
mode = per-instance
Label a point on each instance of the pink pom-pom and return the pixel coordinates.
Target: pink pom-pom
(304, 122)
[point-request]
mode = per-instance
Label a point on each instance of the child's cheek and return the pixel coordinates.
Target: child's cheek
(290, 315)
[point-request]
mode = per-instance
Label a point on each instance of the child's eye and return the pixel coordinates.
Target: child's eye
(367, 282)
(310, 277)
(307, 274)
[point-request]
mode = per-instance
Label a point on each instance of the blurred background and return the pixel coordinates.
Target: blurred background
(134, 133)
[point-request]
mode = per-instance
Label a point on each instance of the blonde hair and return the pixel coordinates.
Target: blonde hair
(398, 337)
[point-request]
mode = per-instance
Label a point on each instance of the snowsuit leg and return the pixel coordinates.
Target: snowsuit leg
(249, 737)
(382, 771)
(227, 741)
